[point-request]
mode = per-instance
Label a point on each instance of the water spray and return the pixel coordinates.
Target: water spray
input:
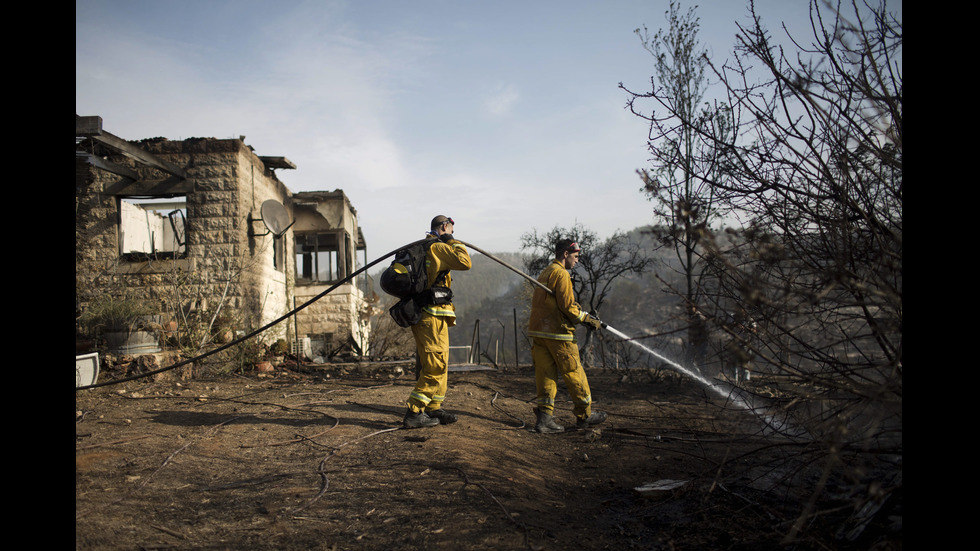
(728, 392)
(681, 369)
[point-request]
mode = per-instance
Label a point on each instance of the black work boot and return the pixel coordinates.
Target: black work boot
(418, 420)
(546, 423)
(443, 416)
(594, 419)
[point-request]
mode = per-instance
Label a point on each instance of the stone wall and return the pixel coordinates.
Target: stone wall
(226, 264)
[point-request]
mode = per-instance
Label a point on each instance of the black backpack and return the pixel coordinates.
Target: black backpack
(406, 278)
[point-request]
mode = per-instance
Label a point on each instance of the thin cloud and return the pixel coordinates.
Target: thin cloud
(501, 100)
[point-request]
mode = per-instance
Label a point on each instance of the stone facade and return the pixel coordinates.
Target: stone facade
(232, 274)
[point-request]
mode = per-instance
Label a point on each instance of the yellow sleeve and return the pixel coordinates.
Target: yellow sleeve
(561, 284)
(444, 257)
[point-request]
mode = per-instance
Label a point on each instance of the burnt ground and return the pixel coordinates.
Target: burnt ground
(313, 458)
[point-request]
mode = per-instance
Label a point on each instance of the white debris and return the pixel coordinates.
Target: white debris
(660, 487)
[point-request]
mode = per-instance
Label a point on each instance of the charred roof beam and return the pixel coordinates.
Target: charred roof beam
(108, 166)
(91, 127)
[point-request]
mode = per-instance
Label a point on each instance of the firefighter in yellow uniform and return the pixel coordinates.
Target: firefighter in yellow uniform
(432, 331)
(553, 349)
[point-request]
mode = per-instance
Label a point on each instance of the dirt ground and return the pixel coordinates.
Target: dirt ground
(313, 458)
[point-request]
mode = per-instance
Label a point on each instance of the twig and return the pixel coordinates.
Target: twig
(494, 405)
(324, 481)
(114, 442)
(248, 482)
(173, 533)
(493, 400)
(166, 461)
(749, 501)
(467, 481)
(299, 438)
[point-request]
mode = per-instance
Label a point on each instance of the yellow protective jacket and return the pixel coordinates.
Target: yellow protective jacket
(441, 257)
(553, 316)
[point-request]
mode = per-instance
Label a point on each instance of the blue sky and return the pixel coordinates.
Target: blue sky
(505, 115)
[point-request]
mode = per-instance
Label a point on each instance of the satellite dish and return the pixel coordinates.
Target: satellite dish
(275, 217)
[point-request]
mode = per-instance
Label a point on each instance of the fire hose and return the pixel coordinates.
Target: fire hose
(306, 304)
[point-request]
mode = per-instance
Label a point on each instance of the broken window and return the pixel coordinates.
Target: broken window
(153, 228)
(322, 257)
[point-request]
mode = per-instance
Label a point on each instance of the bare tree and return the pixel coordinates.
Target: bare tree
(687, 145)
(815, 168)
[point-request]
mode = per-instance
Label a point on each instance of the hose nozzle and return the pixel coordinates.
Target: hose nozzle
(601, 323)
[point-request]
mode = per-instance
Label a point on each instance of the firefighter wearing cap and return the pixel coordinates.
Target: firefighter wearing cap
(554, 350)
(432, 331)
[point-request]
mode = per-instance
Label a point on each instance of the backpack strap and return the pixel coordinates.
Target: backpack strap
(438, 293)
(441, 276)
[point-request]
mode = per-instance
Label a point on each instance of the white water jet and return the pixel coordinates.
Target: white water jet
(728, 394)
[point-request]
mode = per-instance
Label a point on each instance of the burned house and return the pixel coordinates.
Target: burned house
(204, 232)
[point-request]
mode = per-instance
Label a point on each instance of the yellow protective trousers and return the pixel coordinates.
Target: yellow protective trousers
(432, 346)
(553, 358)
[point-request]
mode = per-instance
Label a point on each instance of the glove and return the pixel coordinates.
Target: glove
(592, 321)
(447, 238)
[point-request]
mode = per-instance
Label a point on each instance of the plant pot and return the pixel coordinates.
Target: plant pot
(132, 342)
